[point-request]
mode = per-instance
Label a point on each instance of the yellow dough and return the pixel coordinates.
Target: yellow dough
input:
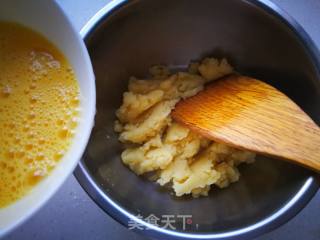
(178, 157)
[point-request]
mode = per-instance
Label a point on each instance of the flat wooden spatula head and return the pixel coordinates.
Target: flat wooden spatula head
(249, 114)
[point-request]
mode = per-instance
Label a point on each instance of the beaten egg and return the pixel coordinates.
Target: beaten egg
(39, 109)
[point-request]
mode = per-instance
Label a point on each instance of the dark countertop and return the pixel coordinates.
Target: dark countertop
(71, 214)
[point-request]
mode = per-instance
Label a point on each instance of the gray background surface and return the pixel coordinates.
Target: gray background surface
(71, 214)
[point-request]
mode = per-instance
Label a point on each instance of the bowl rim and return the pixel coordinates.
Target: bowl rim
(276, 219)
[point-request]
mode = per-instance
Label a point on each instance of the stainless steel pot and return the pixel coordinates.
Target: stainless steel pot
(261, 40)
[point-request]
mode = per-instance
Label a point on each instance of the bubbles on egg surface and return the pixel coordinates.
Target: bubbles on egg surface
(9, 154)
(28, 146)
(26, 128)
(28, 160)
(6, 91)
(26, 91)
(75, 101)
(39, 99)
(41, 141)
(20, 154)
(35, 176)
(31, 115)
(64, 132)
(36, 66)
(34, 99)
(60, 122)
(40, 157)
(53, 64)
(31, 135)
(33, 85)
(74, 122)
(17, 140)
(58, 155)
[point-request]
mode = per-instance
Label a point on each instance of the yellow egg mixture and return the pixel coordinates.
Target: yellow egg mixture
(39, 109)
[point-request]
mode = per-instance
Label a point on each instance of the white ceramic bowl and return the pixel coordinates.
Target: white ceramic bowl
(46, 17)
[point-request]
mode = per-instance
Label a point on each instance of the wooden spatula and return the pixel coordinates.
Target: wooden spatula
(249, 114)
